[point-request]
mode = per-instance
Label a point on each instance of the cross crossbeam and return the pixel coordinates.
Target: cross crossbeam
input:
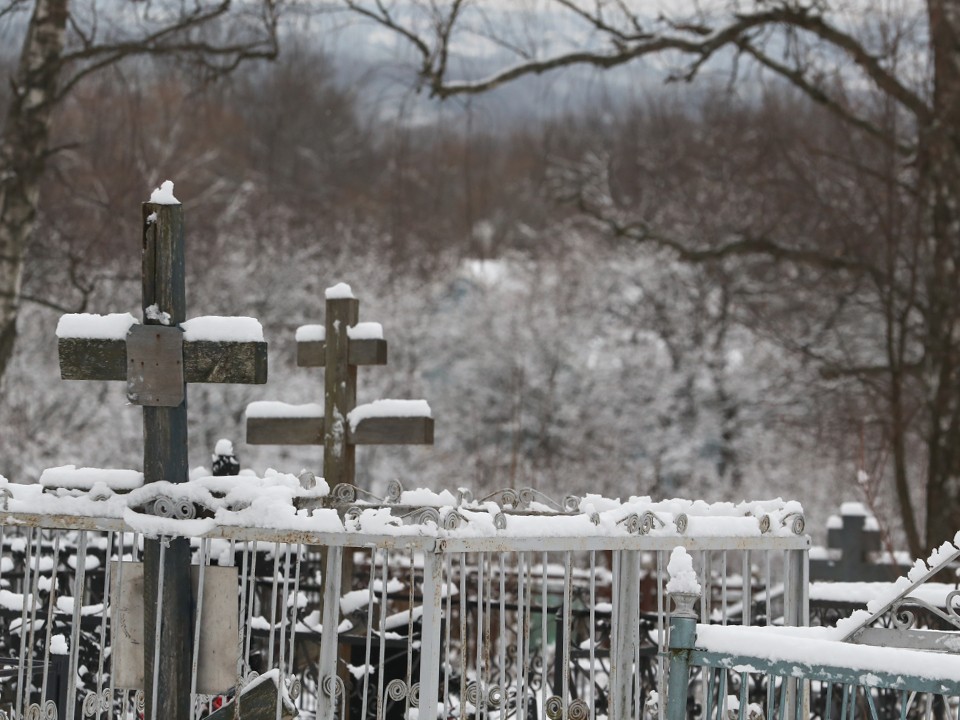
(339, 346)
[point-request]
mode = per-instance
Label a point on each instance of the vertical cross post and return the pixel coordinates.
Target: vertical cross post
(340, 390)
(157, 359)
(167, 673)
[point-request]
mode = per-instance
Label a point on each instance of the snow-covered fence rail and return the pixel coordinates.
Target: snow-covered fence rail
(874, 664)
(493, 608)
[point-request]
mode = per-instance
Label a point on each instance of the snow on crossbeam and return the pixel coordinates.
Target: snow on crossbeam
(391, 422)
(360, 331)
(270, 421)
(215, 349)
(113, 326)
(384, 422)
(366, 345)
(222, 329)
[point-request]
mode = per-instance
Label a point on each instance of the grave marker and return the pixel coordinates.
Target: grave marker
(852, 538)
(157, 360)
(340, 346)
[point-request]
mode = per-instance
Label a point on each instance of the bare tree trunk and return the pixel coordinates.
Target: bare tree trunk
(24, 146)
(940, 160)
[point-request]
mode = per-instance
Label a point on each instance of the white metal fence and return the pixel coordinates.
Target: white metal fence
(485, 609)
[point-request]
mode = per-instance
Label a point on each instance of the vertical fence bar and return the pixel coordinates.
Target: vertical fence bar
(626, 629)
(327, 695)
(51, 604)
(75, 641)
(430, 634)
(593, 635)
(371, 598)
(683, 630)
(502, 645)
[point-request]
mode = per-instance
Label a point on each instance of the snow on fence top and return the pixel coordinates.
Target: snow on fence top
(278, 502)
(70, 477)
(818, 646)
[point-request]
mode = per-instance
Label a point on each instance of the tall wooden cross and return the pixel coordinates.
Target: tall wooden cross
(339, 346)
(157, 359)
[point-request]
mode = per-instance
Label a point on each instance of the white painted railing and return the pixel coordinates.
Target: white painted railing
(504, 606)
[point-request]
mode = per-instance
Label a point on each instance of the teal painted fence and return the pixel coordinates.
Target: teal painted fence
(778, 680)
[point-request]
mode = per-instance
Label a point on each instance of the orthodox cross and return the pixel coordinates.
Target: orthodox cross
(157, 359)
(339, 346)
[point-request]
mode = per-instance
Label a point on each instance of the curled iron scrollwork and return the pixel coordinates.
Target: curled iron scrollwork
(333, 686)
(764, 521)
(681, 521)
(578, 710)
(796, 522)
(394, 492)
(344, 493)
(464, 496)
(294, 687)
(526, 497)
(93, 703)
(473, 693)
(905, 617)
(421, 516)
(571, 503)
(631, 522)
(649, 522)
(163, 507)
(396, 690)
(500, 521)
(452, 520)
(554, 707)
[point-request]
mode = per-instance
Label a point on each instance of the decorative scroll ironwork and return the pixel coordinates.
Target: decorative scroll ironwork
(905, 616)
(394, 492)
(94, 703)
(681, 522)
(796, 522)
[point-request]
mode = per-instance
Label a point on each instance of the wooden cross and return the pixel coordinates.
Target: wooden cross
(157, 359)
(340, 346)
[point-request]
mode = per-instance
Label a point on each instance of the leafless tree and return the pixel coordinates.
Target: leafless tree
(66, 41)
(891, 75)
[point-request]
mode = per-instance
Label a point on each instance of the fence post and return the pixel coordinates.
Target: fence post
(626, 634)
(796, 613)
(683, 635)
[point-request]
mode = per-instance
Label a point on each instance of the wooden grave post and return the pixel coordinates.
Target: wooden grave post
(340, 346)
(157, 362)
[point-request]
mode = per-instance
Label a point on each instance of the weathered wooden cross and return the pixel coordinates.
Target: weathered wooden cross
(340, 345)
(157, 359)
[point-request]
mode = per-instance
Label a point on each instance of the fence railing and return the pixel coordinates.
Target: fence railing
(873, 664)
(478, 609)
